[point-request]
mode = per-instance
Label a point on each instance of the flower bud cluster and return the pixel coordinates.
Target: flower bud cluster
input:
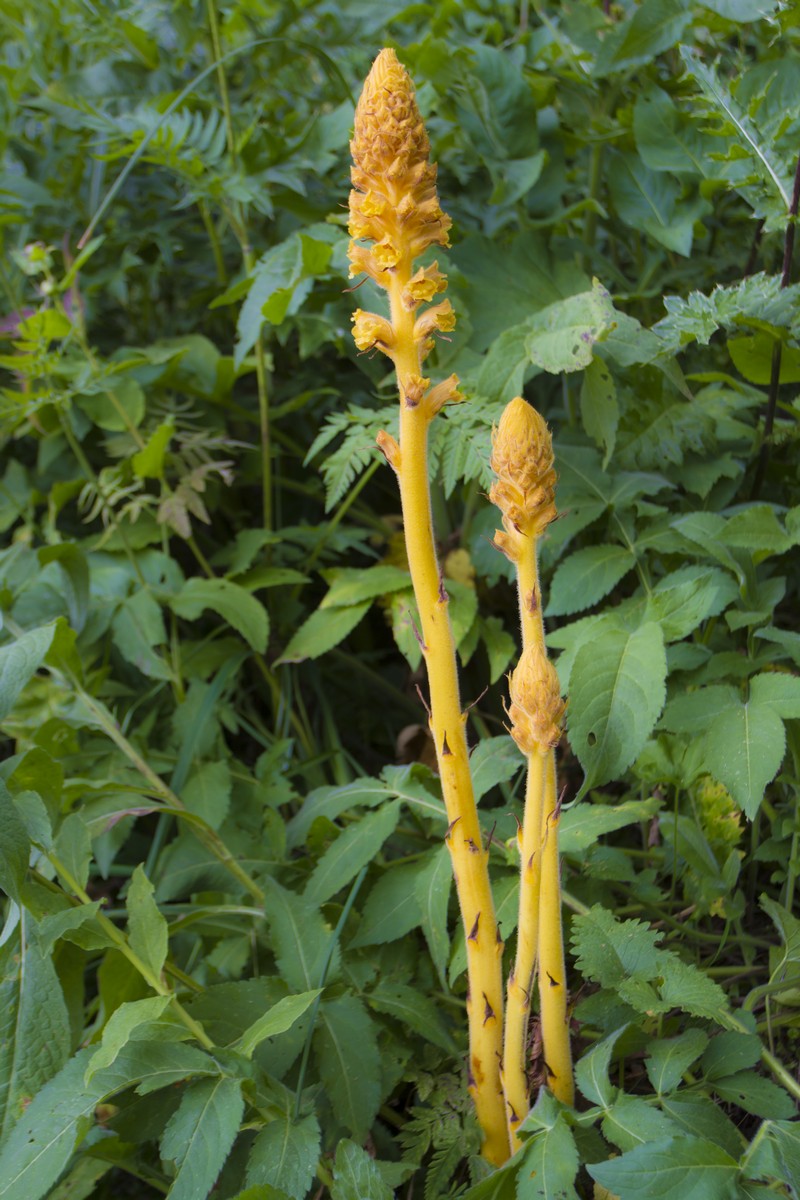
(524, 491)
(537, 710)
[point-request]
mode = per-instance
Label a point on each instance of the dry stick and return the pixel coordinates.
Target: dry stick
(394, 204)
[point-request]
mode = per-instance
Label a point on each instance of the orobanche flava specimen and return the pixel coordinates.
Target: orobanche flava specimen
(394, 209)
(524, 491)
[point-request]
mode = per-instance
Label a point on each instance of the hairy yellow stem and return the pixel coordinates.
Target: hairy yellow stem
(552, 971)
(520, 982)
(464, 837)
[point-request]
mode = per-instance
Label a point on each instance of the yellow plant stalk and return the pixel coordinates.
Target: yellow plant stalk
(395, 206)
(522, 458)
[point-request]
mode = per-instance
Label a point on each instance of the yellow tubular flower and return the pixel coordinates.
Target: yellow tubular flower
(395, 207)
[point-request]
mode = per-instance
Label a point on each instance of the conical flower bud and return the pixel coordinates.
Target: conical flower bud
(394, 202)
(522, 459)
(537, 710)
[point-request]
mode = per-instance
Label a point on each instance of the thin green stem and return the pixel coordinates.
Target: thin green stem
(121, 942)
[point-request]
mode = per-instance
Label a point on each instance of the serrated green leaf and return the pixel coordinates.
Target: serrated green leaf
(34, 1023)
(591, 1072)
(391, 909)
(285, 1155)
(147, 930)
(14, 846)
(617, 688)
(672, 1168)
(207, 793)
(550, 1160)
(563, 334)
(19, 662)
(233, 603)
(356, 1175)
(123, 1023)
(280, 1017)
(345, 1036)
(632, 1122)
(756, 1095)
(778, 690)
(414, 1010)
(73, 849)
(744, 748)
(323, 630)
(653, 27)
(352, 850)
(586, 577)
(669, 1058)
(599, 406)
(432, 891)
(494, 760)
(138, 627)
(688, 596)
(199, 1135)
(351, 585)
(582, 824)
(300, 937)
(609, 951)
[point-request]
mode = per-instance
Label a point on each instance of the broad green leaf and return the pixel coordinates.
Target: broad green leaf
(582, 824)
(669, 1058)
(775, 1152)
(631, 1122)
(280, 1017)
(608, 950)
(73, 849)
(650, 202)
(148, 463)
(653, 27)
(391, 909)
(586, 577)
(147, 930)
(683, 985)
(688, 596)
(744, 748)
(413, 1009)
(14, 846)
(207, 793)
(353, 585)
(331, 802)
(352, 850)
(19, 661)
(323, 630)
(432, 892)
(702, 1117)
(668, 140)
(756, 1095)
(349, 1062)
(673, 1168)
(599, 406)
(778, 690)
(300, 937)
(550, 1159)
(730, 1052)
(591, 1073)
(69, 920)
(356, 1176)
(617, 688)
(233, 603)
(74, 571)
(563, 334)
(285, 1154)
(199, 1135)
(123, 405)
(138, 627)
(494, 760)
(695, 711)
(758, 530)
(34, 1023)
(123, 1023)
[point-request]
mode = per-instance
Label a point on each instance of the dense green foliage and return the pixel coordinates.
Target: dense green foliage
(230, 964)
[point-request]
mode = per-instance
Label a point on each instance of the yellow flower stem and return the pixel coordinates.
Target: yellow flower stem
(552, 971)
(520, 982)
(464, 837)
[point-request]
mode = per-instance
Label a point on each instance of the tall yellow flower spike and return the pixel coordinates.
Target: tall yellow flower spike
(394, 206)
(524, 491)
